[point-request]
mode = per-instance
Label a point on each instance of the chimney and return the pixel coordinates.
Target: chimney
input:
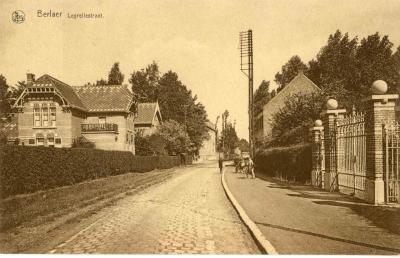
(30, 79)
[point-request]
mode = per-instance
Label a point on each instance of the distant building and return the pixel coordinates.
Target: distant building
(148, 118)
(263, 120)
(52, 113)
(208, 150)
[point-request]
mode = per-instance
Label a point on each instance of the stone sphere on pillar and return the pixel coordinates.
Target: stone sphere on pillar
(332, 104)
(379, 87)
(318, 123)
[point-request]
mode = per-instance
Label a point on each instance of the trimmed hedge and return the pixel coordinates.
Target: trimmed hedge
(25, 169)
(291, 163)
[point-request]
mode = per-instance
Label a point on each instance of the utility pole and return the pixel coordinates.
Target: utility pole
(216, 133)
(246, 66)
(223, 132)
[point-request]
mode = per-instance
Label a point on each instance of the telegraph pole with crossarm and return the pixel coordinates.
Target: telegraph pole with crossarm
(246, 66)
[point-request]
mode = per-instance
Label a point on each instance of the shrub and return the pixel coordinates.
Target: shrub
(290, 163)
(25, 169)
(82, 142)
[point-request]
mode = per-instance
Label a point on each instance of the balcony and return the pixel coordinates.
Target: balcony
(99, 128)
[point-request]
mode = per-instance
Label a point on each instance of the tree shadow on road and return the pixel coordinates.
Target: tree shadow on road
(382, 216)
(379, 247)
(306, 191)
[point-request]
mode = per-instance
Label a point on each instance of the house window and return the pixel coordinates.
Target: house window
(45, 116)
(50, 141)
(127, 138)
(40, 141)
(31, 141)
(58, 141)
(53, 116)
(102, 120)
(36, 115)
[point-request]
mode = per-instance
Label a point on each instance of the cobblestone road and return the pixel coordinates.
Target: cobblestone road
(188, 214)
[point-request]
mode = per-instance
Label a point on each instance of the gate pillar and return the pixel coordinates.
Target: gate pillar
(330, 116)
(317, 152)
(380, 109)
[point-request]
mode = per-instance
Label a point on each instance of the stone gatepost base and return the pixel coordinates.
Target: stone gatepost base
(375, 191)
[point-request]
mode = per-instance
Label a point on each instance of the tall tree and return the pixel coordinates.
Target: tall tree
(244, 145)
(115, 77)
(230, 138)
(4, 95)
(176, 102)
(261, 96)
(145, 83)
(396, 66)
(336, 64)
(374, 61)
(289, 71)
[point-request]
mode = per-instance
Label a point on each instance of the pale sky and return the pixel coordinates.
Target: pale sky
(197, 39)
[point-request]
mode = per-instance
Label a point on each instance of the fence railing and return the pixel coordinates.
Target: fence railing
(391, 174)
(361, 150)
(105, 127)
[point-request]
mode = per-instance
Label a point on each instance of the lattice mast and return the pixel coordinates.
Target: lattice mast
(246, 66)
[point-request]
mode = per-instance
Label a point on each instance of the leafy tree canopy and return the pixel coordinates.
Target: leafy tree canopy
(4, 95)
(344, 69)
(115, 77)
(289, 71)
(145, 83)
(175, 99)
(261, 96)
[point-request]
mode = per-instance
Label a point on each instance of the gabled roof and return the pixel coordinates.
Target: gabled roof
(299, 84)
(66, 91)
(147, 113)
(105, 98)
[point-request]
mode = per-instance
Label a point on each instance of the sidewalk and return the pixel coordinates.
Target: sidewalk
(298, 219)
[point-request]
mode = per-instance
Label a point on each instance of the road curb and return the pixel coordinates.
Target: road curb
(265, 245)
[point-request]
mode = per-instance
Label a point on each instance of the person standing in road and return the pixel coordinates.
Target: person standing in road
(251, 168)
(220, 163)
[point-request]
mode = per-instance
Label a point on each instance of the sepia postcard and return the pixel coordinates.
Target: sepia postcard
(211, 127)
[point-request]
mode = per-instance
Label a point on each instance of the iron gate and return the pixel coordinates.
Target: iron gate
(351, 159)
(320, 171)
(391, 174)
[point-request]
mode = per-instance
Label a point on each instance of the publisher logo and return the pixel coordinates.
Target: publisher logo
(18, 16)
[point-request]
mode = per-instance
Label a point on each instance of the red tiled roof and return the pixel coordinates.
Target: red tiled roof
(66, 91)
(146, 113)
(105, 98)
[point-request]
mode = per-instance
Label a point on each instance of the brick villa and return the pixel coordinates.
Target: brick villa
(54, 114)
